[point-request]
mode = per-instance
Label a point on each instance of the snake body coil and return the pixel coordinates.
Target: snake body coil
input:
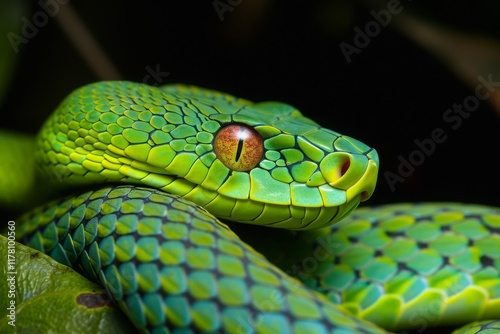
(185, 271)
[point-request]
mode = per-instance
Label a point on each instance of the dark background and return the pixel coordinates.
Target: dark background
(392, 93)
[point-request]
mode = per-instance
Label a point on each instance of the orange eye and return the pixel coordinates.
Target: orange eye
(239, 147)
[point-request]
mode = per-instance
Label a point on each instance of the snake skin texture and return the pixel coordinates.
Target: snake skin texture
(483, 327)
(180, 274)
(412, 265)
(308, 176)
(172, 159)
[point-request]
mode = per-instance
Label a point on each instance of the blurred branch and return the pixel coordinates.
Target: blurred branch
(467, 55)
(85, 43)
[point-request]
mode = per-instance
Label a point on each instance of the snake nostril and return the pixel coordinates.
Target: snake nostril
(344, 168)
(340, 169)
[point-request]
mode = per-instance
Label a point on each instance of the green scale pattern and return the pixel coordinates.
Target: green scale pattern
(174, 268)
(483, 327)
(409, 265)
(163, 138)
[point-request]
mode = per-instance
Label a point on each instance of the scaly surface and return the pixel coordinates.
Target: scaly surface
(409, 265)
(164, 138)
(173, 267)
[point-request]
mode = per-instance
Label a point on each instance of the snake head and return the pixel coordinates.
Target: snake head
(306, 176)
(261, 163)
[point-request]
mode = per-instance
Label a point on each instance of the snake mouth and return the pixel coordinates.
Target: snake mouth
(355, 184)
(364, 187)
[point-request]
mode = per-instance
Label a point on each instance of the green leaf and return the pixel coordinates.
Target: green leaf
(47, 297)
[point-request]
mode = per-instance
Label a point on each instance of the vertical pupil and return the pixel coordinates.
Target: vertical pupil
(241, 139)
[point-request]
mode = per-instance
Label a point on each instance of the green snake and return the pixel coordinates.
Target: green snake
(162, 162)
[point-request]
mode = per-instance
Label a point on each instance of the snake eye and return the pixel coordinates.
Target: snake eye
(239, 147)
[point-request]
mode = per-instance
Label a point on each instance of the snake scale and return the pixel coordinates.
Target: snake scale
(163, 162)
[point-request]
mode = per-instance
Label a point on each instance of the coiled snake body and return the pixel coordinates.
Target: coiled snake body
(174, 157)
